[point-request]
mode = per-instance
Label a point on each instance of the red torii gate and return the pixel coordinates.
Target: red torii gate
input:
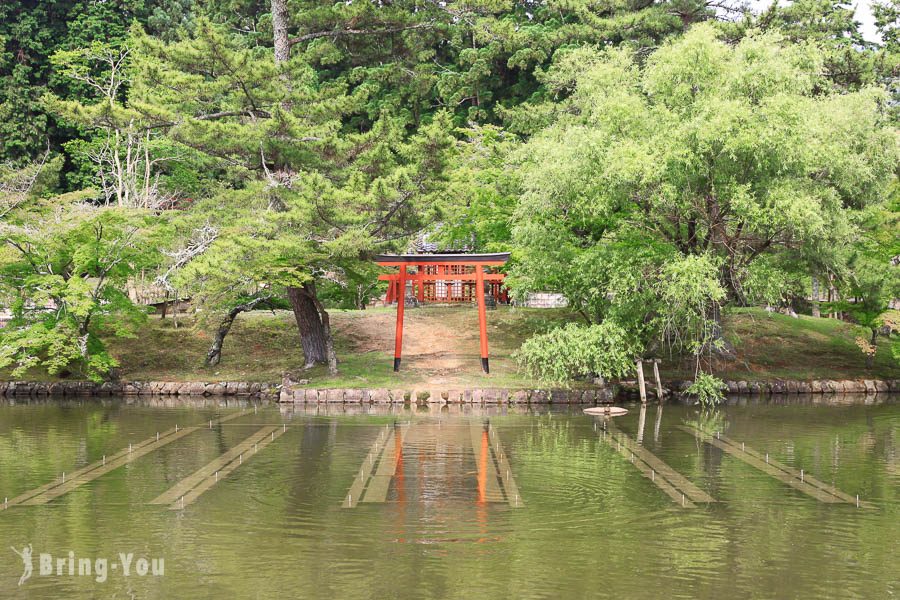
(457, 270)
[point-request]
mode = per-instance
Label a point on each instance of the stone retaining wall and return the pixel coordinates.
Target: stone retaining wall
(137, 388)
(458, 396)
(419, 396)
(814, 386)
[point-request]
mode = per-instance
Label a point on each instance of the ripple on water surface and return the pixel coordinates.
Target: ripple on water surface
(435, 516)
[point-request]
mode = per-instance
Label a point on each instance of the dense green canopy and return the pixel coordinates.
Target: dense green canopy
(653, 161)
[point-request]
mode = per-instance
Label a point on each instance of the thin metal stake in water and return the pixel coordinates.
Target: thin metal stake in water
(129, 448)
(652, 475)
(104, 460)
(682, 498)
(283, 427)
(64, 476)
(5, 502)
(157, 436)
(182, 502)
(242, 459)
(217, 475)
(210, 423)
(767, 458)
(801, 475)
(273, 436)
(857, 501)
(742, 447)
(176, 427)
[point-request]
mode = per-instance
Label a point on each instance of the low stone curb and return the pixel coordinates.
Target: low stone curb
(813, 386)
(417, 396)
(453, 396)
(304, 395)
(137, 388)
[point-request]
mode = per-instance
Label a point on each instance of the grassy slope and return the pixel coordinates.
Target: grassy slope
(440, 346)
(771, 346)
(441, 349)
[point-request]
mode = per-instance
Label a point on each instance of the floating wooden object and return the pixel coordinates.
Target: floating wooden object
(208, 476)
(606, 411)
(505, 471)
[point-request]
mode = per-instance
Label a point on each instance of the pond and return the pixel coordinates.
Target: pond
(757, 499)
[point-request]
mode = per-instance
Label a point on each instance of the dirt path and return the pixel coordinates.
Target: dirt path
(440, 346)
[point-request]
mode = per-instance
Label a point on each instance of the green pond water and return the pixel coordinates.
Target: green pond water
(450, 502)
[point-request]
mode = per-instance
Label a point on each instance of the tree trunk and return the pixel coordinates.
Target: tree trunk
(870, 358)
(329, 340)
(280, 31)
(309, 322)
(815, 298)
(215, 351)
(716, 343)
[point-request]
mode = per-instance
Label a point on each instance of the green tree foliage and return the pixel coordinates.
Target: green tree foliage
(475, 58)
(62, 271)
(847, 58)
(871, 279)
(572, 351)
(32, 32)
(313, 199)
(276, 145)
(658, 187)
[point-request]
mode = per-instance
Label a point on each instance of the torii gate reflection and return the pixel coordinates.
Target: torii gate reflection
(457, 272)
(435, 454)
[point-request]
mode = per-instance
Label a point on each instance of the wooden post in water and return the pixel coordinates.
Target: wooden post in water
(641, 386)
(642, 420)
(659, 389)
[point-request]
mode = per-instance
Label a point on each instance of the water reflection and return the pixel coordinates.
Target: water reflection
(591, 522)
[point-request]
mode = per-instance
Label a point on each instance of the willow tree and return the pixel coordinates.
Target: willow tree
(305, 197)
(718, 158)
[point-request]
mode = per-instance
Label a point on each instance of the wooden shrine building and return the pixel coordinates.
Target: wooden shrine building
(440, 278)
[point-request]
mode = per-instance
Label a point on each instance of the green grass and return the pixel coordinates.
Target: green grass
(441, 349)
(776, 346)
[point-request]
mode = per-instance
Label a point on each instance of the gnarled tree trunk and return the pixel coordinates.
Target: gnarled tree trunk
(215, 351)
(312, 318)
(314, 325)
